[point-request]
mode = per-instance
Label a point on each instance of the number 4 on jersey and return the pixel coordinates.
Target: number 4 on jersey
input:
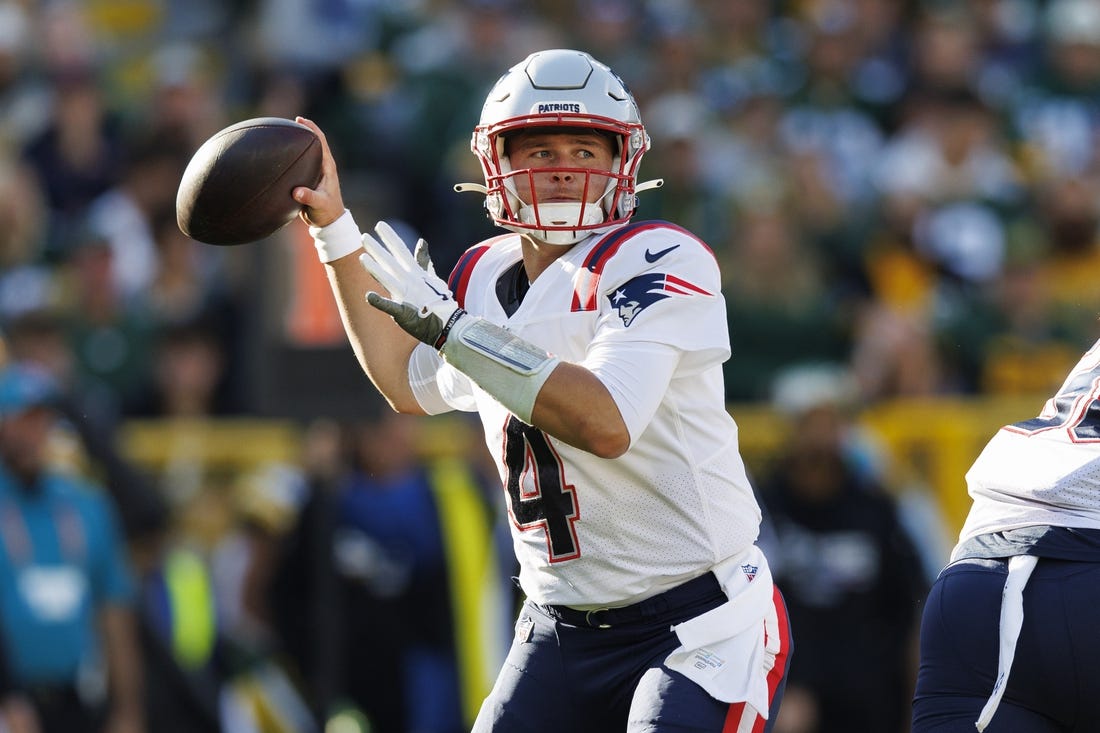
(552, 505)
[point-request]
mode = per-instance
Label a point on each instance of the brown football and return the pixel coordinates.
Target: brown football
(237, 187)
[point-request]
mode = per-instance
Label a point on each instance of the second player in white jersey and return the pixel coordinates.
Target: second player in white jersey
(1046, 470)
(1008, 632)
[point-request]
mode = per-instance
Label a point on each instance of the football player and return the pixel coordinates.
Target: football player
(1008, 638)
(591, 347)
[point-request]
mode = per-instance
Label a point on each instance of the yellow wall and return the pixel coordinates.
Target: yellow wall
(929, 442)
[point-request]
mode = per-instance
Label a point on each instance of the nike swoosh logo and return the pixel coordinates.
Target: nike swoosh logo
(654, 256)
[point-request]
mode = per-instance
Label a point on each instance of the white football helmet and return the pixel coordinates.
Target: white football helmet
(567, 89)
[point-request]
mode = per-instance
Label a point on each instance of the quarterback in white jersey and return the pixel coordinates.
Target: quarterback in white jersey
(1008, 638)
(591, 348)
(591, 532)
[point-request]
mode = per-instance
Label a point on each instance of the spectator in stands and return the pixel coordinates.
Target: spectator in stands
(123, 216)
(831, 135)
(1054, 112)
(689, 195)
(40, 337)
(88, 407)
(1068, 214)
(179, 633)
(26, 282)
(851, 573)
(180, 691)
(781, 311)
(77, 157)
(111, 336)
(66, 606)
(944, 181)
(186, 105)
(416, 594)
(187, 375)
(191, 283)
(24, 98)
(304, 597)
(946, 47)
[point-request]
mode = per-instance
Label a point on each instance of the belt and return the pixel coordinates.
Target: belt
(686, 595)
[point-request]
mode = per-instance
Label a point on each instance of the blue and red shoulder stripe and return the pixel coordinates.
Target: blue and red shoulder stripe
(459, 280)
(586, 285)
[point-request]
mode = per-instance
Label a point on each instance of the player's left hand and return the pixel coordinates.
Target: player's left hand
(420, 301)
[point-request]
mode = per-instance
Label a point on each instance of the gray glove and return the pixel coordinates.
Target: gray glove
(420, 301)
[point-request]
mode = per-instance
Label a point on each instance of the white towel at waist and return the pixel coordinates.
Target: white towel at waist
(723, 650)
(1012, 619)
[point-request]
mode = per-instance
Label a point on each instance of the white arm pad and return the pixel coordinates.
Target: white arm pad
(338, 239)
(508, 368)
(424, 365)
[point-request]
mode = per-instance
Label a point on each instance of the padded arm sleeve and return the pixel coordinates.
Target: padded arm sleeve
(502, 364)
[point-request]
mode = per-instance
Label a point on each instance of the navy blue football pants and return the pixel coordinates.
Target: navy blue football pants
(1054, 683)
(605, 673)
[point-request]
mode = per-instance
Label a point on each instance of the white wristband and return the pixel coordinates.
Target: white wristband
(338, 239)
(507, 367)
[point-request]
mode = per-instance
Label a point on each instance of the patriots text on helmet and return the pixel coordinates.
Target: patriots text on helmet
(551, 107)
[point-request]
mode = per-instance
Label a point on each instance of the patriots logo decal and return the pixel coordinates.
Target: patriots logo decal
(637, 294)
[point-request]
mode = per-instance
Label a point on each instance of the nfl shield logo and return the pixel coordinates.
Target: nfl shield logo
(749, 570)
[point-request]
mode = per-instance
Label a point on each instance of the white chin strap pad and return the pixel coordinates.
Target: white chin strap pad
(562, 214)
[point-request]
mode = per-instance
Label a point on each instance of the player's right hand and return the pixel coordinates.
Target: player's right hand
(325, 204)
(419, 301)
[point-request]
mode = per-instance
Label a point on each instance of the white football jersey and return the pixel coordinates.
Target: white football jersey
(1046, 470)
(641, 307)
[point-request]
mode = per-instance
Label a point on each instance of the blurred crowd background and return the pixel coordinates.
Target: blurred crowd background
(903, 195)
